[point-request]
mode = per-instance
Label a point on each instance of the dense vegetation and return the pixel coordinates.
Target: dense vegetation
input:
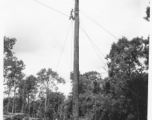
(34, 95)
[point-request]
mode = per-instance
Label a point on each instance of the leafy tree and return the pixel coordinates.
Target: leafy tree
(67, 108)
(8, 46)
(48, 79)
(16, 75)
(55, 100)
(127, 84)
(8, 60)
(90, 88)
(30, 89)
(8, 55)
(123, 94)
(22, 94)
(12, 68)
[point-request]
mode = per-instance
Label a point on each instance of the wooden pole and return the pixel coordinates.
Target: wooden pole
(76, 63)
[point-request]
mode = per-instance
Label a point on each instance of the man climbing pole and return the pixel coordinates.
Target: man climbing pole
(71, 15)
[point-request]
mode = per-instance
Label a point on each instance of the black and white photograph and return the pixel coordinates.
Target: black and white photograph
(76, 60)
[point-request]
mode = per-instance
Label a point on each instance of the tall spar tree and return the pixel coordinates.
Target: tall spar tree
(48, 79)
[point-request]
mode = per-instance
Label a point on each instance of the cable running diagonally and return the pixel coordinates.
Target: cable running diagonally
(51, 8)
(93, 42)
(98, 49)
(136, 94)
(65, 2)
(99, 25)
(64, 45)
(94, 48)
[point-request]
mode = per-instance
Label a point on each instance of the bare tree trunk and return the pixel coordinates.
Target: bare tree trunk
(14, 107)
(22, 108)
(137, 107)
(14, 100)
(45, 109)
(58, 112)
(8, 104)
(28, 99)
(45, 103)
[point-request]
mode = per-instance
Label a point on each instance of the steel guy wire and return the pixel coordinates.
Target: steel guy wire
(64, 45)
(93, 42)
(94, 48)
(51, 8)
(93, 45)
(99, 25)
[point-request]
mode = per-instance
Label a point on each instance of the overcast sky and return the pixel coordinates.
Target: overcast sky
(41, 32)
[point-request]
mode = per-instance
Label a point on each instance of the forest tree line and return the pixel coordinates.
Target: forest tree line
(121, 95)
